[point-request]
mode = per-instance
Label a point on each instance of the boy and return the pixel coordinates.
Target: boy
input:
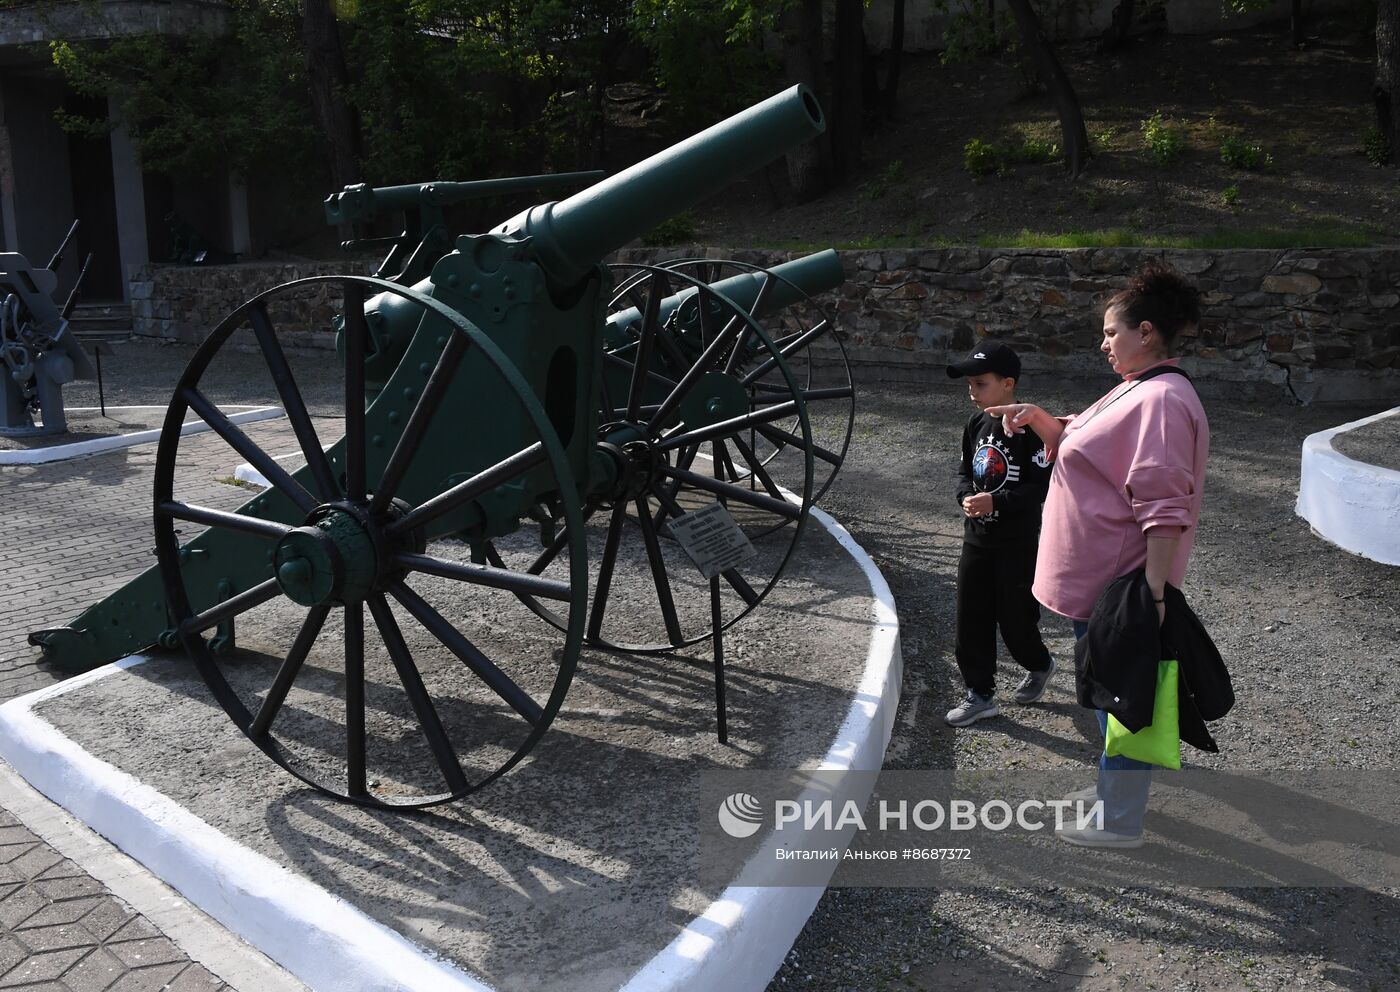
(1002, 482)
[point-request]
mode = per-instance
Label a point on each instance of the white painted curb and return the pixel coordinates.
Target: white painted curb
(1354, 505)
(97, 445)
(736, 944)
(741, 938)
(318, 937)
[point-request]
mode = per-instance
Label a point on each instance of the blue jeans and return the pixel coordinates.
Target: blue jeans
(1123, 782)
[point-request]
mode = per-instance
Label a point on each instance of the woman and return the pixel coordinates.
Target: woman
(1125, 494)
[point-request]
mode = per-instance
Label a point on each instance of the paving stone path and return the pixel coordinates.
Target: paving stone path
(84, 527)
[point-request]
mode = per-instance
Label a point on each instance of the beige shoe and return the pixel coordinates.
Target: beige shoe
(1093, 837)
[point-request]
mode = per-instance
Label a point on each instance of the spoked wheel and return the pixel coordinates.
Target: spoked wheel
(675, 420)
(407, 708)
(805, 335)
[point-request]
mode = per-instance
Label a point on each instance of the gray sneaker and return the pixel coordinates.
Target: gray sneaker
(971, 709)
(1032, 687)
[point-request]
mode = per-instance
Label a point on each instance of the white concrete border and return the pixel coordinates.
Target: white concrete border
(736, 944)
(318, 937)
(97, 445)
(1354, 505)
(741, 938)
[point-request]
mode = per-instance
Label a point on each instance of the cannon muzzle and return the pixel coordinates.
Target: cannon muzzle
(572, 236)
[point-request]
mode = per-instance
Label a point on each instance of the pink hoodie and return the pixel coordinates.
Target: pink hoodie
(1134, 461)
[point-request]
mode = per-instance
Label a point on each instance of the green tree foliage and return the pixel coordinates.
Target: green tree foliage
(453, 89)
(708, 54)
(199, 104)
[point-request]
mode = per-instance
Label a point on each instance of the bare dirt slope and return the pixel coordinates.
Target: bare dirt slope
(1308, 108)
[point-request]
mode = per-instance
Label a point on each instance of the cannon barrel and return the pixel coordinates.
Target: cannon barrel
(357, 204)
(795, 280)
(573, 235)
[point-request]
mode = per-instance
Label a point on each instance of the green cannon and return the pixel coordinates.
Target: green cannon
(521, 424)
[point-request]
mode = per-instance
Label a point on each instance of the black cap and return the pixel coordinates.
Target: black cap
(989, 356)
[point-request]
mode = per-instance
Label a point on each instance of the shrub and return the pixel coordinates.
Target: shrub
(1103, 140)
(1034, 151)
(1375, 146)
(891, 175)
(1238, 153)
(677, 230)
(980, 158)
(1163, 138)
(1230, 196)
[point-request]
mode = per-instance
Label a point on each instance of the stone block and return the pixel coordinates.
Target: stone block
(1296, 284)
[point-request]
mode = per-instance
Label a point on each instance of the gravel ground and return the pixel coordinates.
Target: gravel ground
(1377, 443)
(1310, 636)
(1309, 633)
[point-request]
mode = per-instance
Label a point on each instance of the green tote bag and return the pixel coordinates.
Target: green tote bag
(1160, 742)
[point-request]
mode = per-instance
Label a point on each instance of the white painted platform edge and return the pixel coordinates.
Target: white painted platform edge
(205, 940)
(98, 445)
(321, 939)
(1354, 505)
(737, 943)
(741, 939)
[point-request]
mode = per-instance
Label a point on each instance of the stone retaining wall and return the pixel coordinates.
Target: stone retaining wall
(1325, 323)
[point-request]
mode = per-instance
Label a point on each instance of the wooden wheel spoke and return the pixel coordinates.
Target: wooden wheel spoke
(356, 780)
(756, 467)
(356, 331)
(292, 403)
(428, 720)
(464, 492)
(222, 518)
(733, 425)
(288, 671)
(605, 571)
(419, 421)
(650, 330)
(468, 653)
(692, 375)
(746, 592)
(560, 542)
(721, 463)
(659, 578)
(811, 334)
(520, 583)
(255, 456)
(739, 494)
(783, 439)
(618, 362)
(231, 607)
(755, 311)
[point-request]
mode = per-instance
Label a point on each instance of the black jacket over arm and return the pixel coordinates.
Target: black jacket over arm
(1115, 663)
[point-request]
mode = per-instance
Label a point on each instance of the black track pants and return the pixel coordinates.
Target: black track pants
(994, 590)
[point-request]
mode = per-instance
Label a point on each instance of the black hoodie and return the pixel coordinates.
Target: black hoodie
(1015, 470)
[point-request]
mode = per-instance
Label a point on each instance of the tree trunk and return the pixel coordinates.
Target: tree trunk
(327, 78)
(1387, 91)
(1296, 23)
(889, 95)
(800, 32)
(1073, 136)
(846, 88)
(1117, 31)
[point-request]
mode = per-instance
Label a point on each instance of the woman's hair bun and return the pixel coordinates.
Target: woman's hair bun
(1161, 295)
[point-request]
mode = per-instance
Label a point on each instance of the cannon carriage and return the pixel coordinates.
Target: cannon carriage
(506, 394)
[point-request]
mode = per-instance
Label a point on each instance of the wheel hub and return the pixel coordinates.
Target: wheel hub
(331, 558)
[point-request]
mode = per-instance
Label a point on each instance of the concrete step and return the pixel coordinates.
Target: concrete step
(101, 321)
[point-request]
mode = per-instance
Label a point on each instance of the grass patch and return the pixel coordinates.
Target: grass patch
(229, 480)
(1313, 236)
